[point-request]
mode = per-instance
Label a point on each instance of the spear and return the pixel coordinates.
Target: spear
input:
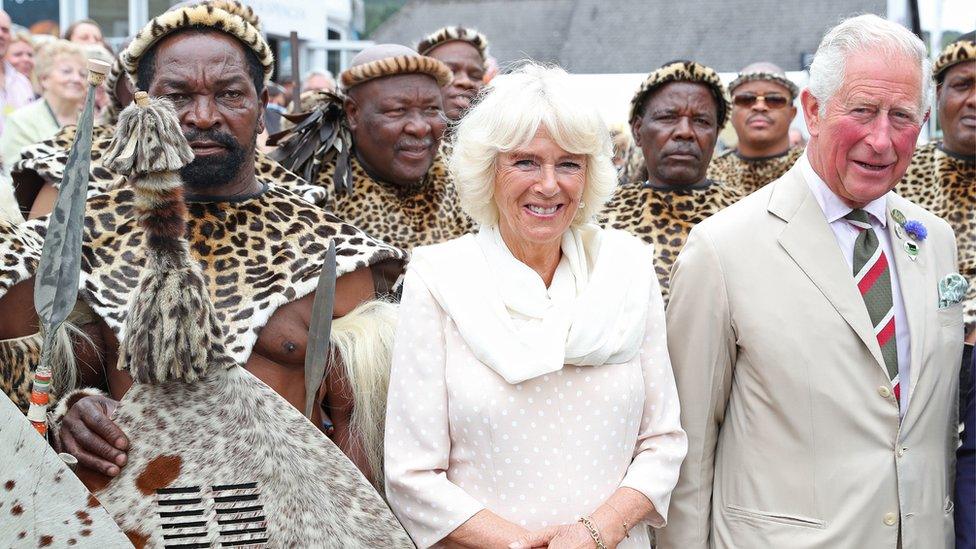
(58, 272)
(320, 330)
(296, 79)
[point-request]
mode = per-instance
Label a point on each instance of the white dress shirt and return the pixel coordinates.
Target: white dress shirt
(835, 209)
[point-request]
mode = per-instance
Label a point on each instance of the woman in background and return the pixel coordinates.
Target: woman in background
(20, 54)
(62, 72)
(84, 31)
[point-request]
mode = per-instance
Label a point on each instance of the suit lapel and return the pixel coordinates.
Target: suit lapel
(911, 280)
(811, 243)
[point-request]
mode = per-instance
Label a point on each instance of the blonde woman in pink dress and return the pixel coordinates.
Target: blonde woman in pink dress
(531, 400)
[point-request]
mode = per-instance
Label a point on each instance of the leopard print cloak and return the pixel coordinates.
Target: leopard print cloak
(20, 251)
(945, 184)
(257, 254)
(45, 161)
(427, 213)
(664, 217)
(748, 175)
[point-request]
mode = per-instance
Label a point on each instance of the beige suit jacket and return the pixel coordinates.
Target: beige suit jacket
(794, 436)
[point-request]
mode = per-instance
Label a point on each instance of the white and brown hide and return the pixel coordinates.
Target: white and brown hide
(226, 462)
(42, 503)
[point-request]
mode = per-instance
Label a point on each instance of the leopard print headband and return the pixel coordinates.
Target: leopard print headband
(772, 77)
(953, 54)
(392, 66)
(682, 71)
(454, 34)
(201, 15)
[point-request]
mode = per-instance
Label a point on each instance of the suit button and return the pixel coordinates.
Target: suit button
(884, 391)
(891, 519)
(901, 452)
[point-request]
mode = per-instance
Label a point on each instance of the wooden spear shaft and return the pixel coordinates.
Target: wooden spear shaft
(296, 92)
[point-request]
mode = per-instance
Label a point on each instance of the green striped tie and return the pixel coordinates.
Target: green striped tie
(874, 281)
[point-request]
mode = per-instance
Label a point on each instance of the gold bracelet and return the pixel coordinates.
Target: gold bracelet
(621, 517)
(594, 533)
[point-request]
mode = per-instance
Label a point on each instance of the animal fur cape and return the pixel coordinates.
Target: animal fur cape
(257, 254)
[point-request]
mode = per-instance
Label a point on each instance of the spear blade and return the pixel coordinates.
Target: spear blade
(59, 269)
(320, 330)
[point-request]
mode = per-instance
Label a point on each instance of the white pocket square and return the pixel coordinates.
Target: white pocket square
(952, 288)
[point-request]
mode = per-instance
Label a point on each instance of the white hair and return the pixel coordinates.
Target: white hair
(857, 35)
(507, 116)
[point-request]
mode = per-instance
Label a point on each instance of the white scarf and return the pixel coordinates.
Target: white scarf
(593, 313)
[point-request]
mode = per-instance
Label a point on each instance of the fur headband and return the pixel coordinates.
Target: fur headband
(682, 71)
(772, 77)
(454, 34)
(206, 15)
(115, 105)
(392, 66)
(953, 54)
(234, 7)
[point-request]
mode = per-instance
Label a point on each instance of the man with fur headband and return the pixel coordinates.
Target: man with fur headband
(261, 248)
(465, 52)
(762, 110)
(38, 173)
(942, 173)
(379, 159)
(675, 117)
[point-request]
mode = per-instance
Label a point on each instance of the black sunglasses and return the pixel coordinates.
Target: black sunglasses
(772, 100)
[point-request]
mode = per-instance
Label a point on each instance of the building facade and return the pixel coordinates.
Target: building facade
(328, 30)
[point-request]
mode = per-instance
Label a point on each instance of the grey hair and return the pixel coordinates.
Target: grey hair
(507, 116)
(858, 34)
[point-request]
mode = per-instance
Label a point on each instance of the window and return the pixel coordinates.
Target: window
(157, 7)
(334, 61)
(111, 15)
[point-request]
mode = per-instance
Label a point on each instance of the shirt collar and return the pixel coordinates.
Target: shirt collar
(833, 206)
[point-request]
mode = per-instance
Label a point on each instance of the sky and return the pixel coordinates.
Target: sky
(959, 15)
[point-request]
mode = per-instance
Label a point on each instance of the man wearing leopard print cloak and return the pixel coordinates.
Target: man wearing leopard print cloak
(38, 172)
(675, 117)
(762, 109)
(465, 52)
(380, 162)
(942, 175)
(261, 248)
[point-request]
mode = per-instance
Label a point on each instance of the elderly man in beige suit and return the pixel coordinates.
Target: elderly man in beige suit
(815, 331)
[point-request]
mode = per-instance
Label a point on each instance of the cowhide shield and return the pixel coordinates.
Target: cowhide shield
(226, 462)
(42, 503)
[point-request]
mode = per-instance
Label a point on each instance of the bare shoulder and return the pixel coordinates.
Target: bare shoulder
(17, 316)
(352, 289)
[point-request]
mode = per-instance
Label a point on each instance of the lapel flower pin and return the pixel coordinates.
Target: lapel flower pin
(914, 230)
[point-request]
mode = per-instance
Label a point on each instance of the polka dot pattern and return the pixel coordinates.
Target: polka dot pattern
(459, 438)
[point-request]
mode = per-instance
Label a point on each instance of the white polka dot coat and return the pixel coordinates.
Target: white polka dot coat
(459, 438)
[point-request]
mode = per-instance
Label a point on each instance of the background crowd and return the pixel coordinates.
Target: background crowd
(511, 329)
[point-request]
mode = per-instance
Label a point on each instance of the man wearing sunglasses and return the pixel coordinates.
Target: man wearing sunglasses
(762, 109)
